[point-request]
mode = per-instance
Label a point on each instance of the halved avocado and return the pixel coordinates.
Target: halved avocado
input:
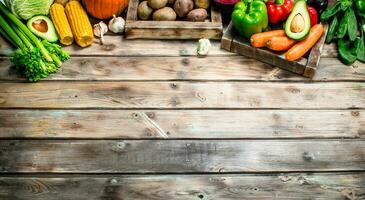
(298, 24)
(43, 27)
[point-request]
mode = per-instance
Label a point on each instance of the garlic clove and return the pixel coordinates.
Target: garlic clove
(204, 46)
(116, 24)
(99, 30)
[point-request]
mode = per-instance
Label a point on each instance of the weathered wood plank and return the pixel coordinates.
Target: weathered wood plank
(181, 124)
(187, 68)
(160, 187)
(160, 68)
(333, 95)
(180, 156)
(117, 46)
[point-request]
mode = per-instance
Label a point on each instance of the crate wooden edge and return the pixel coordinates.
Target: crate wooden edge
(138, 29)
(304, 67)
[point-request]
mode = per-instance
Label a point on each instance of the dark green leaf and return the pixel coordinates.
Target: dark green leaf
(351, 24)
(332, 29)
(342, 28)
(331, 11)
(344, 52)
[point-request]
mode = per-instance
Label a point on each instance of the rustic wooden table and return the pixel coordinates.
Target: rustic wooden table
(145, 119)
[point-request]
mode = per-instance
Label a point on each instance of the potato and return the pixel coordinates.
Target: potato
(164, 14)
(197, 15)
(144, 11)
(183, 7)
(157, 4)
(202, 4)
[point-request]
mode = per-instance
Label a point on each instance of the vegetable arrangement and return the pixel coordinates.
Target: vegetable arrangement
(252, 20)
(37, 54)
(346, 19)
(170, 10)
(34, 58)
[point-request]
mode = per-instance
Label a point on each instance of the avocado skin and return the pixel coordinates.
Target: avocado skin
(50, 35)
(299, 8)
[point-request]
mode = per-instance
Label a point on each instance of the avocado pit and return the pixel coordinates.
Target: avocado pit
(40, 25)
(297, 24)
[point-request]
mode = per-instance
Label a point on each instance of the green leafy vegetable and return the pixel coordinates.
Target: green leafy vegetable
(352, 25)
(332, 30)
(25, 9)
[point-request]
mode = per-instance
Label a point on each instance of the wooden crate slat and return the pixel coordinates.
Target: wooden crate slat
(177, 124)
(180, 156)
(243, 95)
(160, 187)
(315, 55)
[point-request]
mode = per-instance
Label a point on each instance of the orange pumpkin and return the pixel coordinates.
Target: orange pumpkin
(104, 9)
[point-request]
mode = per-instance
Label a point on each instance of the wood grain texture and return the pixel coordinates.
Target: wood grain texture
(159, 187)
(181, 124)
(165, 68)
(180, 156)
(333, 95)
(118, 46)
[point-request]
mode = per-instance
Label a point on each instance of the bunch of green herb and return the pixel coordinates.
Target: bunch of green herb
(351, 47)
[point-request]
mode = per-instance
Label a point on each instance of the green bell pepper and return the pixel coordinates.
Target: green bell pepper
(250, 17)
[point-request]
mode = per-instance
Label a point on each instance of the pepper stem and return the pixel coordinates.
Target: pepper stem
(279, 2)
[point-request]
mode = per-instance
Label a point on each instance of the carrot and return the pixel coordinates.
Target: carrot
(280, 43)
(260, 39)
(302, 47)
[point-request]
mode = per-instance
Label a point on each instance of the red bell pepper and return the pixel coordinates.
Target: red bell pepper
(279, 10)
(313, 15)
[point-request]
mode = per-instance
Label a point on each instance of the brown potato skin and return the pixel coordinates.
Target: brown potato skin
(144, 11)
(183, 7)
(202, 4)
(157, 4)
(197, 15)
(164, 14)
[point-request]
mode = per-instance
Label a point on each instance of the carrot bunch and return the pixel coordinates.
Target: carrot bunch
(277, 40)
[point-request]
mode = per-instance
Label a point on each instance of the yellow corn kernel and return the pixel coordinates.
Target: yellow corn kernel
(80, 24)
(58, 16)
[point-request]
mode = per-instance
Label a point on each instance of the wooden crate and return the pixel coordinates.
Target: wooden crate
(306, 66)
(148, 29)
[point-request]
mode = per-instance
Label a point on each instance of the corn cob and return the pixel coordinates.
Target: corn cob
(60, 21)
(80, 24)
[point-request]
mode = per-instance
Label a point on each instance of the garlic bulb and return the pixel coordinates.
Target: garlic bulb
(99, 30)
(116, 25)
(203, 47)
